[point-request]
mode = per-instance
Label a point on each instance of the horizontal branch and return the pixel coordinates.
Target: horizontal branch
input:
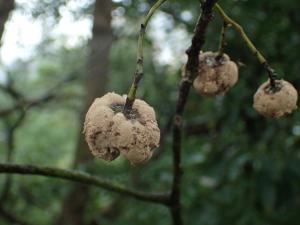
(26, 104)
(84, 178)
(8, 89)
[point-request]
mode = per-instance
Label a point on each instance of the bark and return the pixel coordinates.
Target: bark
(6, 6)
(191, 72)
(84, 178)
(74, 205)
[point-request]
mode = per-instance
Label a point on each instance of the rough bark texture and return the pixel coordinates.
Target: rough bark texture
(6, 6)
(85, 178)
(191, 72)
(74, 205)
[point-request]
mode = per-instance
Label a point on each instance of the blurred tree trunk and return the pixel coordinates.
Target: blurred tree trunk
(6, 6)
(74, 205)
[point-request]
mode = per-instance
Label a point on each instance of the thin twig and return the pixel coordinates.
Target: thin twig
(222, 41)
(84, 178)
(191, 72)
(10, 91)
(271, 72)
(139, 72)
(25, 104)
(10, 150)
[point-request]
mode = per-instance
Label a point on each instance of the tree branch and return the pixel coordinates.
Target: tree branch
(10, 143)
(222, 41)
(271, 72)
(191, 71)
(9, 89)
(24, 103)
(84, 178)
(139, 72)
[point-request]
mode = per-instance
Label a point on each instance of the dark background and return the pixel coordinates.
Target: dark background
(239, 168)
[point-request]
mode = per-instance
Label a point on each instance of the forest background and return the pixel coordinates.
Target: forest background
(57, 56)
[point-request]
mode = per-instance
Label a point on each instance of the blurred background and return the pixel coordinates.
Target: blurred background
(58, 55)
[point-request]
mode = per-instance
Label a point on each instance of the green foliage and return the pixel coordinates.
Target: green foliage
(239, 168)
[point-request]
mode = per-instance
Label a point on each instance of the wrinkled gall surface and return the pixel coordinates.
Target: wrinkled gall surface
(216, 76)
(275, 102)
(109, 133)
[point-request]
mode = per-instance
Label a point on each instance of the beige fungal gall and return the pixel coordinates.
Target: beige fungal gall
(275, 101)
(109, 133)
(216, 76)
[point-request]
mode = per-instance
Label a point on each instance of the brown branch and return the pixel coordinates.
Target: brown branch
(271, 72)
(191, 71)
(201, 127)
(139, 72)
(195, 129)
(84, 178)
(26, 104)
(10, 90)
(10, 143)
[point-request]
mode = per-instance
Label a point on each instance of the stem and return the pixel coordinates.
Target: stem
(222, 41)
(177, 172)
(271, 72)
(191, 72)
(139, 72)
(84, 178)
(11, 133)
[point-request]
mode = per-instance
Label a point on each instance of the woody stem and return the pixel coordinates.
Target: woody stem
(271, 72)
(139, 72)
(222, 41)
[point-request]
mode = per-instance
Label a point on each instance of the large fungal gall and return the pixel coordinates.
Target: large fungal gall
(109, 133)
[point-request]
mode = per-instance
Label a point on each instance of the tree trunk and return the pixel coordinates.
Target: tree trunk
(74, 205)
(6, 6)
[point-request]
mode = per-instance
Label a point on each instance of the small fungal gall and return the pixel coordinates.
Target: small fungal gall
(216, 75)
(275, 101)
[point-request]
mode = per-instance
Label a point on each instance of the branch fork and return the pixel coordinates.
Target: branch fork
(229, 21)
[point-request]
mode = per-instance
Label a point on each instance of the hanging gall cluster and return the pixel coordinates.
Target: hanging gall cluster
(275, 101)
(109, 133)
(216, 74)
